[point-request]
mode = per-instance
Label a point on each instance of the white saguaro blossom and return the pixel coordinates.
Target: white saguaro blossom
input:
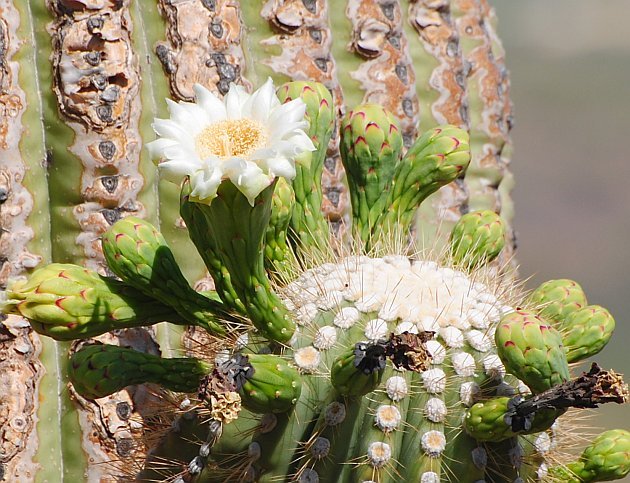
(249, 139)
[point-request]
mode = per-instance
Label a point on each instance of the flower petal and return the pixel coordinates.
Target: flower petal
(166, 128)
(260, 102)
(204, 184)
(234, 100)
(211, 104)
(175, 170)
(156, 148)
(280, 166)
(289, 112)
(248, 178)
(189, 115)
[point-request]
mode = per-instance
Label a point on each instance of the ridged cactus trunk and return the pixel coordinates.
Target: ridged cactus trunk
(369, 389)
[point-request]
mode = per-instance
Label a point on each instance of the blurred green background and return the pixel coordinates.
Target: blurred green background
(570, 71)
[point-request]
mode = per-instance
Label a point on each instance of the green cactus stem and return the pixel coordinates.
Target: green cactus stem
(606, 458)
(477, 238)
(234, 230)
(532, 350)
(68, 302)
(138, 253)
(100, 370)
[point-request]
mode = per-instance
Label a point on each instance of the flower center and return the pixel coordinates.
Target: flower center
(234, 137)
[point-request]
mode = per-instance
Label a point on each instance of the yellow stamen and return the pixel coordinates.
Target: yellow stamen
(235, 137)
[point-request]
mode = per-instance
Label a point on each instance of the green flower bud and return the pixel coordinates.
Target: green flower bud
(138, 253)
(586, 332)
(359, 370)
(272, 387)
(100, 370)
(532, 350)
(477, 238)
(309, 227)
(371, 145)
(278, 254)
(437, 157)
(67, 302)
(605, 459)
(558, 299)
(485, 421)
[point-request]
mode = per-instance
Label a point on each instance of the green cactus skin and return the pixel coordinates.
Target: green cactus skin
(77, 303)
(234, 230)
(532, 350)
(370, 148)
(138, 253)
(478, 237)
(606, 458)
(309, 227)
(100, 370)
(557, 299)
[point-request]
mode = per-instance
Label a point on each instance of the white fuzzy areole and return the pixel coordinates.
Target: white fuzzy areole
(419, 292)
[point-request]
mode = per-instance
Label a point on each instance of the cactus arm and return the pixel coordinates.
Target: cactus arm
(50, 448)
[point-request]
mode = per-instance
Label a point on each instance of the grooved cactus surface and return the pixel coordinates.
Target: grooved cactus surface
(80, 83)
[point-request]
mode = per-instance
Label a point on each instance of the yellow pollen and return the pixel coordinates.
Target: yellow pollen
(234, 137)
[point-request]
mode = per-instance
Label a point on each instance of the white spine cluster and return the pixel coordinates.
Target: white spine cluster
(387, 417)
(307, 359)
(347, 317)
(467, 393)
(325, 338)
(437, 351)
(379, 454)
(493, 366)
(464, 364)
(435, 410)
(434, 380)
(376, 329)
(430, 477)
(433, 443)
(396, 388)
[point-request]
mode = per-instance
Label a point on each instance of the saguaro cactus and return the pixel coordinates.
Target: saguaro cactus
(365, 361)
(81, 82)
